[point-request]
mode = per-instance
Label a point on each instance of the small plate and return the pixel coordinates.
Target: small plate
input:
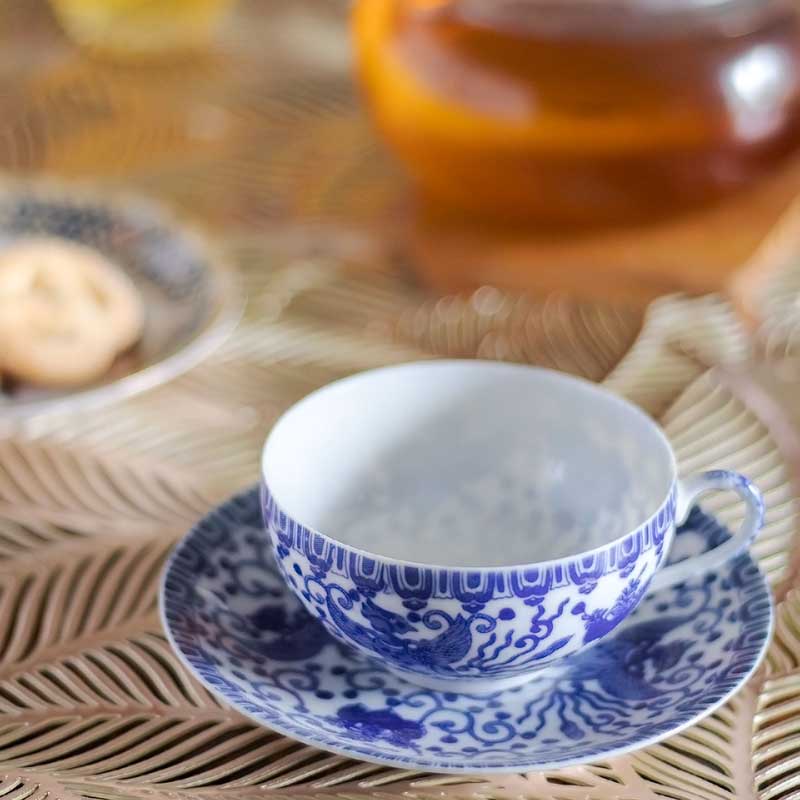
(192, 302)
(236, 625)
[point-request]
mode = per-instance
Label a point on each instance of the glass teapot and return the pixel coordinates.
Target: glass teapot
(581, 111)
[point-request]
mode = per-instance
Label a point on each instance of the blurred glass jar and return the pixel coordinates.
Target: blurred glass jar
(581, 111)
(141, 28)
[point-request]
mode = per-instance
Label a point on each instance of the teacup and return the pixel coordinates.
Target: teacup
(468, 522)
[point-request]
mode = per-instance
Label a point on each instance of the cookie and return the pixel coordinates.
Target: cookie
(66, 312)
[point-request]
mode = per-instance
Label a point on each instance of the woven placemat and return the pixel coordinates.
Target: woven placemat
(92, 701)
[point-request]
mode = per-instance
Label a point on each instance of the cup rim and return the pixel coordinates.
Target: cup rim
(541, 565)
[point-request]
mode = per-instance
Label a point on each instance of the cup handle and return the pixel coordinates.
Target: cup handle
(688, 492)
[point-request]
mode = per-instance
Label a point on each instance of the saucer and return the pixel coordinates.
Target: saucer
(237, 626)
(192, 299)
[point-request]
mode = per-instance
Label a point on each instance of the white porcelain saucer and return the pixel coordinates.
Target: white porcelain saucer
(241, 631)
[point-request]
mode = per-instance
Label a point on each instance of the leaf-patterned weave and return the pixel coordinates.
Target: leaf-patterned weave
(93, 702)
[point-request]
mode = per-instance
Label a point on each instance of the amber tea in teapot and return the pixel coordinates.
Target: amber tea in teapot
(580, 110)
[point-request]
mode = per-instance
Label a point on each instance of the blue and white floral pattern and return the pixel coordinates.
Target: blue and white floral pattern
(462, 624)
(681, 653)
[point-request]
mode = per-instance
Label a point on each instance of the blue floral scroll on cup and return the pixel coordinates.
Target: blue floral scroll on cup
(469, 522)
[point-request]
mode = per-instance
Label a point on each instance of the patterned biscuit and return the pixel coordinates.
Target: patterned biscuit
(65, 312)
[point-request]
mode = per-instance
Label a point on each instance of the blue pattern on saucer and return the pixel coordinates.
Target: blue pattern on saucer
(237, 626)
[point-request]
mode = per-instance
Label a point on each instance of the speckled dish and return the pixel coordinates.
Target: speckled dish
(192, 300)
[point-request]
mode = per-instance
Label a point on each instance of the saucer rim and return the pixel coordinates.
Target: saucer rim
(432, 766)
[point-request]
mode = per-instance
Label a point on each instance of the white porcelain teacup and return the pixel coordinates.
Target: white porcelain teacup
(467, 522)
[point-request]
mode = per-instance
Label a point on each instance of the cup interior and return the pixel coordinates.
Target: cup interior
(468, 463)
